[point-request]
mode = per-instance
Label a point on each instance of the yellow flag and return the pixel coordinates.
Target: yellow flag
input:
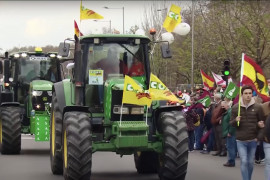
(134, 94)
(160, 92)
(88, 14)
(173, 18)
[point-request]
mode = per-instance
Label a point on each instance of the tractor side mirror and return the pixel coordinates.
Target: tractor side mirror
(64, 49)
(165, 49)
(1, 67)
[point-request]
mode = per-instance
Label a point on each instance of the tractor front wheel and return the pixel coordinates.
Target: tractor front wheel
(173, 160)
(10, 130)
(56, 138)
(77, 146)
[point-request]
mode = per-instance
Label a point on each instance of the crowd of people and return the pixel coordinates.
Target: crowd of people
(229, 127)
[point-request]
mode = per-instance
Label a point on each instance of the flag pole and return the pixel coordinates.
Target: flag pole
(241, 79)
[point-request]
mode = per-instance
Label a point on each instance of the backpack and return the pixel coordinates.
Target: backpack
(192, 115)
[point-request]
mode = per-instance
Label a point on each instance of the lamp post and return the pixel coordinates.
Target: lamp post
(165, 10)
(123, 16)
(192, 48)
(110, 21)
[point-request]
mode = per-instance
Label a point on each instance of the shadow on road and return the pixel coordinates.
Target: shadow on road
(122, 175)
(35, 152)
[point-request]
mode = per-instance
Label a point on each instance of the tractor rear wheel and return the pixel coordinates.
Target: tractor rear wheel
(56, 137)
(173, 160)
(77, 146)
(10, 130)
(146, 162)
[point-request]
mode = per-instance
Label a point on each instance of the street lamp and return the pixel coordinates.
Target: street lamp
(165, 9)
(110, 21)
(123, 16)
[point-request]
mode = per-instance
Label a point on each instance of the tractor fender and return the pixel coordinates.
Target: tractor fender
(10, 104)
(58, 88)
(76, 108)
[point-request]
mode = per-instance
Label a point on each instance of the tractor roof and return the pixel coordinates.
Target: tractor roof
(115, 37)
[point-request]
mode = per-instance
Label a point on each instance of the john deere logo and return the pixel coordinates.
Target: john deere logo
(44, 99)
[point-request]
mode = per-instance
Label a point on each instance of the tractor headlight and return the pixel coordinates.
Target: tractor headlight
(49, 93)
(137, 110)
(37, 93)
(117, 110)
(52, 55)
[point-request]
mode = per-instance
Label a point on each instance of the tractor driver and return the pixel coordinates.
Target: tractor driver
(33, 74)
(136, 68)
(111, 64)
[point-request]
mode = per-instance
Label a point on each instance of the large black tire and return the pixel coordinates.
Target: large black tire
(10, 142)
(56, 138)
(146, 162)
(174, 158)
(77, 146)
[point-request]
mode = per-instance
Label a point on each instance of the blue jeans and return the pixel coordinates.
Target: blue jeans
(231, 148)
(198, 136)
(191, 139)
(211, 141)
(246, 151)
(266, 147)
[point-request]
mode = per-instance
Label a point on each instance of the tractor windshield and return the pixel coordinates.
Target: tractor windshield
(114, 59)
(33, 68)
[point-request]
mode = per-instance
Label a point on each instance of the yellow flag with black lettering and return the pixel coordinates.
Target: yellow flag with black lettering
(160, 92)
(173, 18)
(133, 93)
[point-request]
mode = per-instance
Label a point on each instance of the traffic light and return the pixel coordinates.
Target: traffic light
(226, 69)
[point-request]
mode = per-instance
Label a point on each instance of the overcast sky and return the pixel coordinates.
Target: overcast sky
(41, 23)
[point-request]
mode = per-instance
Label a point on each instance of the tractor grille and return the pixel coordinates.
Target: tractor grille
(41, 100)
(117, 100)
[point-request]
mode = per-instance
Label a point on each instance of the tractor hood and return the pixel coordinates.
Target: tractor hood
(41, 85)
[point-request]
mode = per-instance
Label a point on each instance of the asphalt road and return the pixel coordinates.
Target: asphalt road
(34, 164)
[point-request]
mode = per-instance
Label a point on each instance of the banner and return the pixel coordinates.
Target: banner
(208, 82)
(160, 92)
(206, 101)
(218, 79)
(231, 91)
(173, 18)
(77, 30)
(88, 14)
(134, 94)
(253, 76)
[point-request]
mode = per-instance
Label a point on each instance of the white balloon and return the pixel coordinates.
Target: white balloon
(140, 32)
(182, 29)
(167, 36)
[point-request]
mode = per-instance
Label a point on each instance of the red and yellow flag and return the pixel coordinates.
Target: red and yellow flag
(173, 18)
(77, 30)
(253, 76)
(133, 93)
(208, 82)
(88, 14)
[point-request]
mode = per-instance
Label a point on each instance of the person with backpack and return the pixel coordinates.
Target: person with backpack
(211, 138)
(191, 119)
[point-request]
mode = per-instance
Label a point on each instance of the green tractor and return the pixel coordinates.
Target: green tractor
(87, 113)
(26, 97)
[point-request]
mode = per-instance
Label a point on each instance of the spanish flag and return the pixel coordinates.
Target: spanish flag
(208, 82)
(160, 92)
(133, 93)
(77, 30)
(88, 14)
(253, 76)
(173, 18)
